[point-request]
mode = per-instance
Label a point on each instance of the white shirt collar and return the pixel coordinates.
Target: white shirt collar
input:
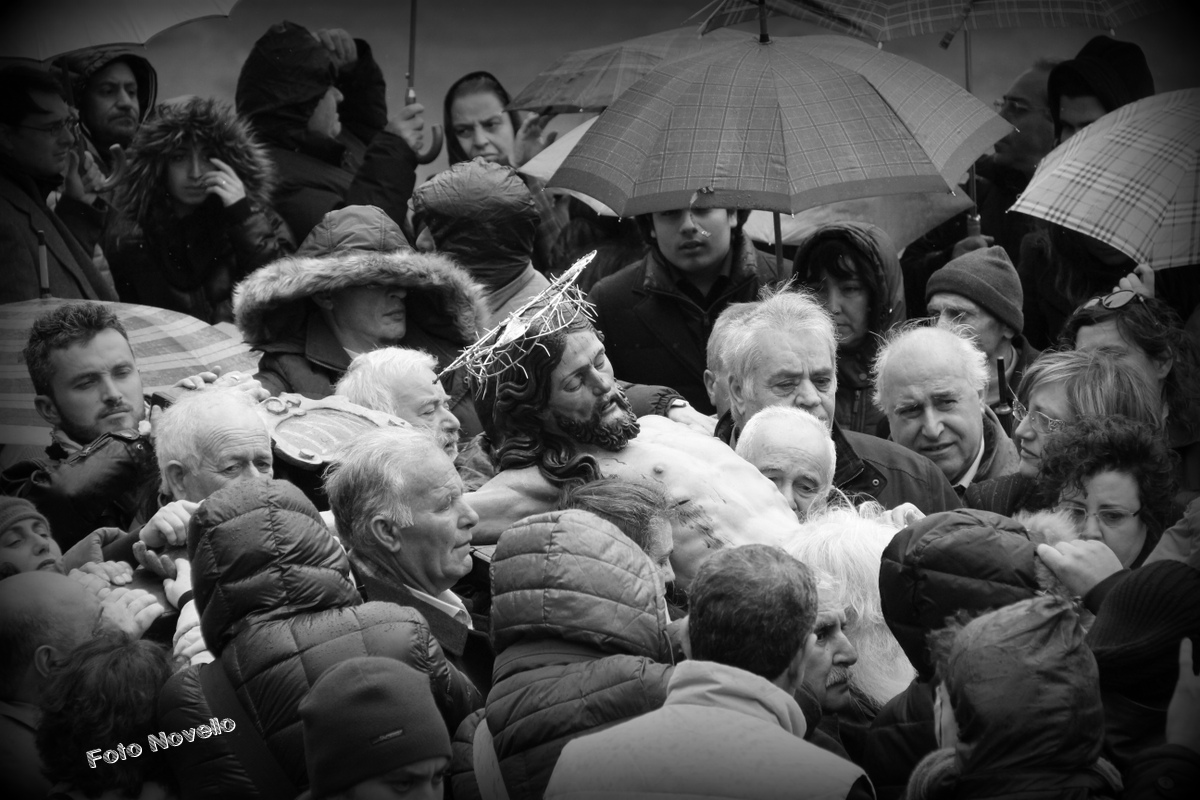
(448, 602)
(965, 481)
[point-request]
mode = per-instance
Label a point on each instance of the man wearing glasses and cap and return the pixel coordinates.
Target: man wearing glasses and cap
(38, 133)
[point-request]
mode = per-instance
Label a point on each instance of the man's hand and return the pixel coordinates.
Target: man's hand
(409, 125)
(342, 49)
(160, 565)
(182, 582)
(964, 246)
(1183, 714)
(114, 573)
(902, 515)
(1080, 564)
(169, 525)
(530, 141)
(686, 415)
(130, 611)
(83, 180)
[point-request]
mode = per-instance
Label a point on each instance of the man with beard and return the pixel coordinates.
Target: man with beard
(555, 416)
(114, 89)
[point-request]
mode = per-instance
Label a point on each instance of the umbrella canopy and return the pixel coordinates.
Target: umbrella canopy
(49, 28)
(904, 217)
(590, 80)
(168, 346)
(780, 126)
(884, 20)
(1130, 180)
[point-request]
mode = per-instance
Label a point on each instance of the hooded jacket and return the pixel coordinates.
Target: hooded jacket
(284, 77)
(579, 630)
(355, 246)
(482, 215)
(958, 560)
(853, 407)
(190, 264)
(1115, 73)
(654, 333)
(721, 733)
(277, 608)
(82, 65)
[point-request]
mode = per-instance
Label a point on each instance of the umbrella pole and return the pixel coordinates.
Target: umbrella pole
(778, 243)
(973, 223)
(763, 38)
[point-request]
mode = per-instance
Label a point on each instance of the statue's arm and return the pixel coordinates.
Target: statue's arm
(507, 498)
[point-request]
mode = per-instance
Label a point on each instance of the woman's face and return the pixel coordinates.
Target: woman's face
(1106, 334)
(482, 127)
(1108, 509)
(1047, 405)
(850, 305)
(185, 177)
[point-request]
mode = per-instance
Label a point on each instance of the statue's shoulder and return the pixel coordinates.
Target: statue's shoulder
(526, 481)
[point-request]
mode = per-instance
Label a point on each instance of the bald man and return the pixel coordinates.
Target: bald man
(792, 449)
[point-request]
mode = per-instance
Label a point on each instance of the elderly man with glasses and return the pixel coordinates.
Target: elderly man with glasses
(45, 250)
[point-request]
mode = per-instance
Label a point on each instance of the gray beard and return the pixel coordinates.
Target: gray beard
(611, 436)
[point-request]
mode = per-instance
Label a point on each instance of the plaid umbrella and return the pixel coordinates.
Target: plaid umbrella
(49, 28)
(884, 20)
(168, 346)
(781, 126)
(590, 80)
(1130, 180)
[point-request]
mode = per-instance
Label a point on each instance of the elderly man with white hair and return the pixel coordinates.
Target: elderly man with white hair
(932, 382)
(399, 507)
(793, 450)
(784, 354)
(403, 382)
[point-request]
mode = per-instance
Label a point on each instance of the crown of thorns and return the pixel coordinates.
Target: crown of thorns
(556, 308)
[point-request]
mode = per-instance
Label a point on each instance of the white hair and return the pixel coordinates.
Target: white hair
(178, 430)
(920, 337)
(759, 427)
(370, 476)
(370, 379)
(789, 310)
(729, 325)
(848, 543)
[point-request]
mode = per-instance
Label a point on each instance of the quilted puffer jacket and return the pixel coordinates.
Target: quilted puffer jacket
(277, 608)
(580, 636)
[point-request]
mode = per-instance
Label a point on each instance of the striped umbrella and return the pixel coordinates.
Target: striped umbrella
(168, 346)
(1130, 180)
(590, 80)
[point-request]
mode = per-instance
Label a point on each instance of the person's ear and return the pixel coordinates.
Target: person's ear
(173, 478)
(737, 399)
(710, 386)
(44, 659)
(324, 300)
(385, 532)
(1163, 368)
(47, 410)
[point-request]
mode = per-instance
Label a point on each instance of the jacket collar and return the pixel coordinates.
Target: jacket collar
(707, 683)
(321, 345)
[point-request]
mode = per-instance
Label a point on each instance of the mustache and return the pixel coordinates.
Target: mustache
(838, 675)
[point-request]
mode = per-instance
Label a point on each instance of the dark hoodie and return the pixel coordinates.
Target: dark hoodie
(283, 79)
(482, 215)
(1113, 72)
(873, 250)
(190, 264)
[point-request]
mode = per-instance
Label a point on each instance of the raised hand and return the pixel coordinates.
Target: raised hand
(342, 49)
(224, 183)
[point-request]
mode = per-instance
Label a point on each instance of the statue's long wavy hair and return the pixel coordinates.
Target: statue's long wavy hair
(511, 406)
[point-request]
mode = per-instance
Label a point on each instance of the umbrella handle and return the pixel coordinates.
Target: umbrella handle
(43, 266)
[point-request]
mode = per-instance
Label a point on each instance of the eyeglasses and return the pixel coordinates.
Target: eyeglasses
(1040, 422)
(1114, 300)
(1015, 107)
(56, 128)
(1107, 517)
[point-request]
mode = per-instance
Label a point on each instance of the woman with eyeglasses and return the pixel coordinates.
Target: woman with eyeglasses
(1114, 478)
(1059, 389)
(1146, 334)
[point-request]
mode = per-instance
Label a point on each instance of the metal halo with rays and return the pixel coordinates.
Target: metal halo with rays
(504, 346)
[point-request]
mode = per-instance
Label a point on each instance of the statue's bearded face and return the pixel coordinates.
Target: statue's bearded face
(585, 403)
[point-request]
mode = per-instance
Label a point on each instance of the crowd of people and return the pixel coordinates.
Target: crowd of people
(864, 523)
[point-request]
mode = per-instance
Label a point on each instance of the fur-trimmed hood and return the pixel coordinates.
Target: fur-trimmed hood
(207, 125)
(357, 246)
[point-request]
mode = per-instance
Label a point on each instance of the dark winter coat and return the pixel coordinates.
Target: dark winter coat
(283, 79)
(656, 334)
(580, 636)
(853, 408)
(277, 608)
(190, 264)
(356, 246)
(961, 560)
(72, 230)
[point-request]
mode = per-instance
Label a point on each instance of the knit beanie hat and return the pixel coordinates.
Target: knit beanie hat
(1114, 72)
(366, 717)
(986, 277)
(1136, 634)
(15, 509)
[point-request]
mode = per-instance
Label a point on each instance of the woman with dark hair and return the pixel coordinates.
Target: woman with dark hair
(196, 214)
(105, 696)
(1147, 334)
(854, 269)
(1113, 478)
